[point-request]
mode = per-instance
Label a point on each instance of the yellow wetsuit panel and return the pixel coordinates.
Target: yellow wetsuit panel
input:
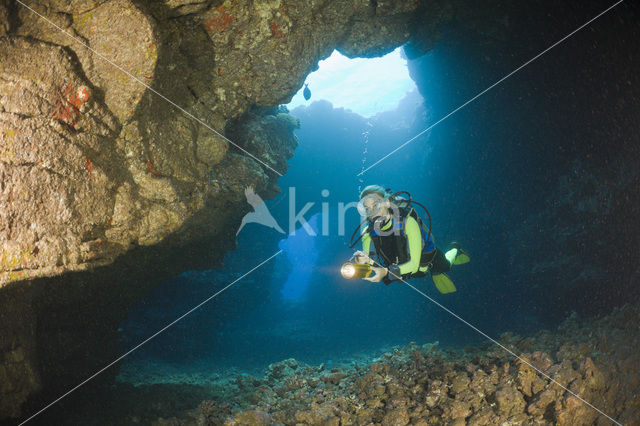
(366, 240)
(414, 242)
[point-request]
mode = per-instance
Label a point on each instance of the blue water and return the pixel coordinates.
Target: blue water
(481, 173)
(302, 254)
(298, 305)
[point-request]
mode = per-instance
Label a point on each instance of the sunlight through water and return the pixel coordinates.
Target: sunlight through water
(366, 86)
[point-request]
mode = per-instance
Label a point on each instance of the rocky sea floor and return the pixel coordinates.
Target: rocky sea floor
(597, 359)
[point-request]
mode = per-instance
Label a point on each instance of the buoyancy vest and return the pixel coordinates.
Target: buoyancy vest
(391, 243)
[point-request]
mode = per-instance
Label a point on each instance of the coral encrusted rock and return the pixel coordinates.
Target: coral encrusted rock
(128, 133)
(594, 360)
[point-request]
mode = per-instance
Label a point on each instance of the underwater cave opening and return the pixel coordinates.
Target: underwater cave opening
(288, 311)
(482, 174)
(366, 86)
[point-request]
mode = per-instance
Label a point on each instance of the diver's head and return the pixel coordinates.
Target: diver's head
(374, 189)
(374, 202)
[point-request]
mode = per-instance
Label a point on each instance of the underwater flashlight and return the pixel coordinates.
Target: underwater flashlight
(355, 270)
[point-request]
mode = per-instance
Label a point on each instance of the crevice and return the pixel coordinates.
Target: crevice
(550, 413)
(35, 165)
(91, 9)
(20, 115)
(192, 92)
(10, 220)
(13, 17)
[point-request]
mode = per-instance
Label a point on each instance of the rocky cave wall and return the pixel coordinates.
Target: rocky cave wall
(105, 161)
(106, 187)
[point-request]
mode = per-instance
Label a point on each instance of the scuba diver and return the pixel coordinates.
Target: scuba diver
(403, 245)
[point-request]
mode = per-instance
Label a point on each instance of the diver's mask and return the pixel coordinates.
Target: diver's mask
(374, 209)
(370, 205)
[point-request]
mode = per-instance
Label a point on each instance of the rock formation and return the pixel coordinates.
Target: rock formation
(422, 384)
(114, 171)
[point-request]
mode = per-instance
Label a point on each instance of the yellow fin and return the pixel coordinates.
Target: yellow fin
(443, 283)
(461, 258)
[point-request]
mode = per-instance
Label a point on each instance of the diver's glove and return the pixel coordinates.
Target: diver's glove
(362, 257)
(379, 274)
(394, 273)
